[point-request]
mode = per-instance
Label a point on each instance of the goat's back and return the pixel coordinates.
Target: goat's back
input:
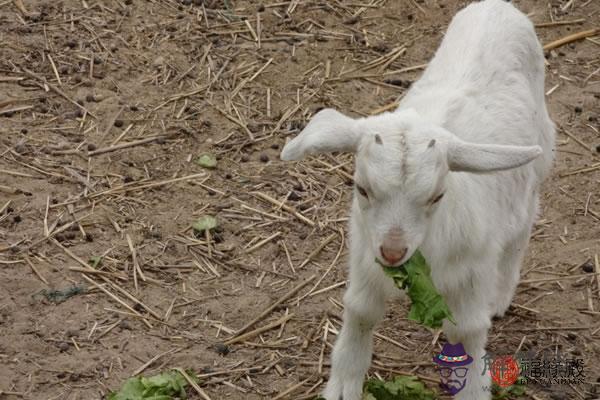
(486, 81)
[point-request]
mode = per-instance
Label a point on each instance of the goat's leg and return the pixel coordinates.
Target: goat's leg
(509, 267)
(478, 383)
(509, 271)
(472, 315)
(364, 306)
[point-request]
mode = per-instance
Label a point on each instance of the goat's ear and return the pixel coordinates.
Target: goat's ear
(327, 131)
(471, 157)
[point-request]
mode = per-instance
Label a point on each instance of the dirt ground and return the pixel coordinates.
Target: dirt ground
(106, 105)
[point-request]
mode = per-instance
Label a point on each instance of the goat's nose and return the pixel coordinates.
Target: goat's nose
(391, 255)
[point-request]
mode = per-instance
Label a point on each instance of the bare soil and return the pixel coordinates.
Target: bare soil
(80, 79)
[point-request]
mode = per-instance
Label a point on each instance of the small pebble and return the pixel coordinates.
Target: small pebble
(294, 196)
(91, 147)
(245, 158)
(222, 349)
(119, 123)
(264, 158)
(588, 267)
(71, 333)
(62, 346)
(578, 109)
(159, 61)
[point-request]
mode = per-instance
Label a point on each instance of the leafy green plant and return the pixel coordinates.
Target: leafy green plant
(512, 392)
(166, 386)
(207, 160)
(205, 223)
(428, 306)
(400, 388)
(95, 261)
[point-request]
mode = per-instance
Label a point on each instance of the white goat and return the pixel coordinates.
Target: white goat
(449, 172)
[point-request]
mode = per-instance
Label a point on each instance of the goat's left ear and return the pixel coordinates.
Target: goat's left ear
(327, 131)
(472, 157)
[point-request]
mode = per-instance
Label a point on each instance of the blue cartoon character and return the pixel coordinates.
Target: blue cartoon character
(452, 362)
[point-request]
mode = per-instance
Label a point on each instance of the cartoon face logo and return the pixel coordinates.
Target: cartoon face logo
(452, 362)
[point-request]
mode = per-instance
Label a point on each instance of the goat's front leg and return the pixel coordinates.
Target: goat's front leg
(471, 310)
(364, 306)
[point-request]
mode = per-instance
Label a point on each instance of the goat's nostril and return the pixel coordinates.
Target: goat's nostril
(392, 256)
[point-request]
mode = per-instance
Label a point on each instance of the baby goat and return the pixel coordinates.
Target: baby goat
(455, 171)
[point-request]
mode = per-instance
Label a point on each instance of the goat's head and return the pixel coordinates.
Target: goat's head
(402, 162)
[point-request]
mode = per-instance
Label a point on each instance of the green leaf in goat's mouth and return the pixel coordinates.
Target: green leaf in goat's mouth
(428, 306)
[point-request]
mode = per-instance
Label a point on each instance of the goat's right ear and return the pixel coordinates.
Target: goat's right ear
(327, 131)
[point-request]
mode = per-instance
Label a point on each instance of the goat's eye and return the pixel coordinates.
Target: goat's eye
(362, 191)
(437, 198)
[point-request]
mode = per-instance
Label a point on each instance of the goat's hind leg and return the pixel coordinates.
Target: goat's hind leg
(509, 271)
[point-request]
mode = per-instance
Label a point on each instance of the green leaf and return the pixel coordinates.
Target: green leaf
(428, 306)
(205, 223)
(400, 388)
(166, 386)
(512, 392)
(207, 160)
(132, 390)
(95, 261)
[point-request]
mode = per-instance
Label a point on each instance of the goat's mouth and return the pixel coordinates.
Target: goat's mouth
(384, 265)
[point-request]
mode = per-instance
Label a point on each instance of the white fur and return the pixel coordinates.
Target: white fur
(474, 127)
